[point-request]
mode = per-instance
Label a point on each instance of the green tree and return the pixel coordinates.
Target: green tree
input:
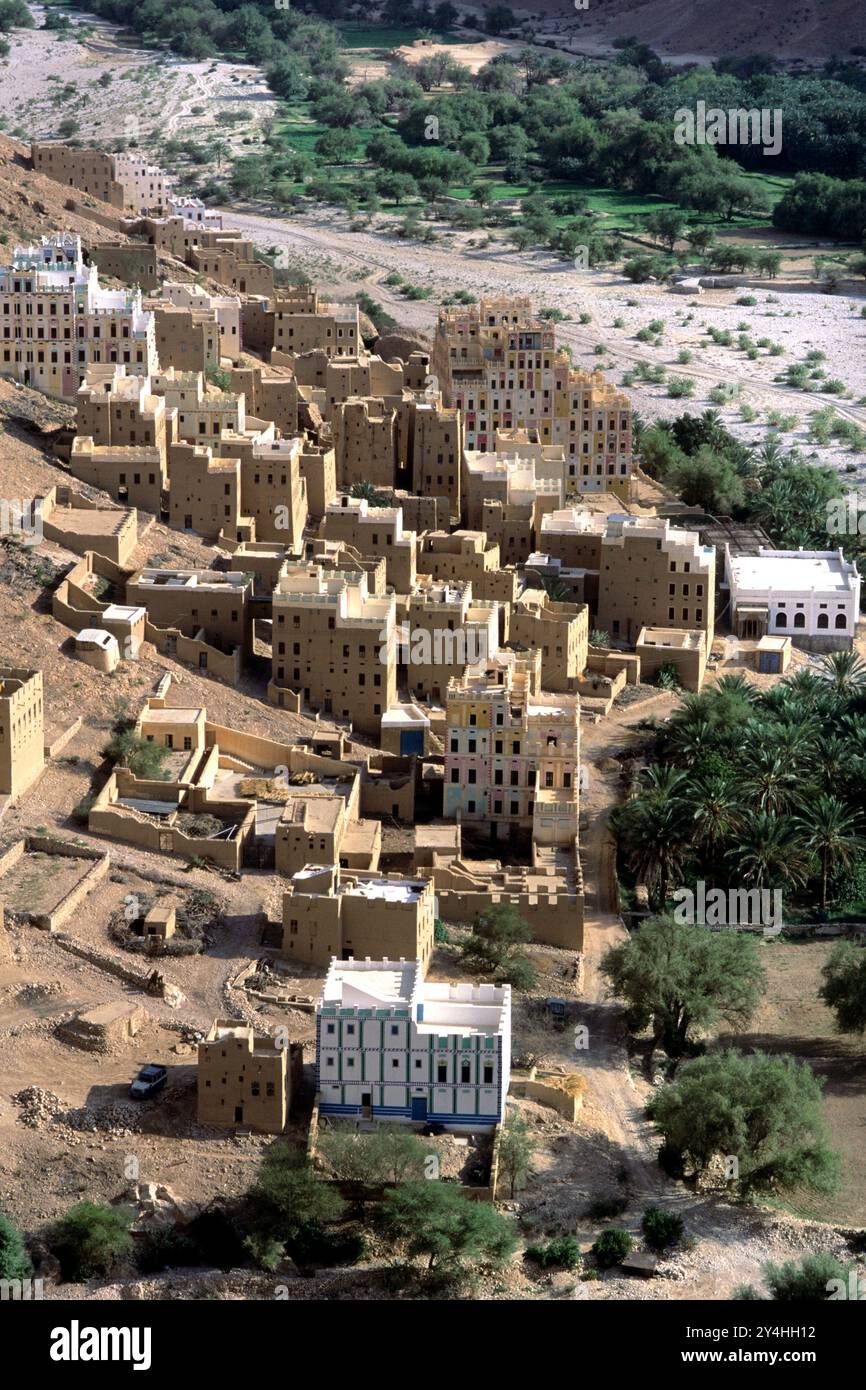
(844, 987)
(92, 1239)
(682, 978)
(494, 948)
(435, 1222)
(290, 1204)
(516, 1147)
(391, 1153)
(14, 1259)
(831, 832)
(813, 1280)
(143, 759)
(666, 225)
(764, 1110)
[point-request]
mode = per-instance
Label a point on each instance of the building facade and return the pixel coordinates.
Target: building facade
(391, 1047)
(55, 320)
(243, 1079)
(498, 363)
(22, 752)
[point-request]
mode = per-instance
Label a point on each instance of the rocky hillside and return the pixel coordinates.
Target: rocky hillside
(810, 30)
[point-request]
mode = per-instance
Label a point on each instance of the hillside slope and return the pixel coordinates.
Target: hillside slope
(811, 29)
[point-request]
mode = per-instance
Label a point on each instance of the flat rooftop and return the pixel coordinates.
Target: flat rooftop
(385, 890)
(370, 984)
(792, 570)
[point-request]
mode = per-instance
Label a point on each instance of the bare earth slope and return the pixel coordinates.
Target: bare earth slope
(811, 30)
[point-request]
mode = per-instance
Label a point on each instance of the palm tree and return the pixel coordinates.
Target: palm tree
(845, 672)
(831, 831)
(688, 742)
(371, 495)
(769, 852)
(716, 812)
(771, 781)
(658, 851)
(833, 761)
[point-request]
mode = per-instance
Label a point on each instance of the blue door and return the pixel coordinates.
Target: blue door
(419, 1107)
(411, 741)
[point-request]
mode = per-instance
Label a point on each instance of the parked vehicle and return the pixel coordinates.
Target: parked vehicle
(150, 1079)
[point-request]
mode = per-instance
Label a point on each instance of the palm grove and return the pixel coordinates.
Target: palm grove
(745, 789)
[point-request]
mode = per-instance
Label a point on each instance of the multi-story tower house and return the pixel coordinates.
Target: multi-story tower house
(366, 442)
(390, 1046)
(374, 531)
(559, 630)
(652, 574)
(444, 632)
(124, 434)
(499, 363)
(335, 913)
(333, 644)
(273, 492)
(302, 323)
(512, 755)
(126, 181)
(437, 452)
(55, 320)
(22, 751)
(243, 1078)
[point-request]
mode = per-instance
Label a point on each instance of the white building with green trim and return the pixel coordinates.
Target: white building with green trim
(390, 1046)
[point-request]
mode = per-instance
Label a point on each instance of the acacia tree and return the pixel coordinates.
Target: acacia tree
(435, 1222)
(494, 948)
(516, 1147)
(683, 978)
(764, 1111)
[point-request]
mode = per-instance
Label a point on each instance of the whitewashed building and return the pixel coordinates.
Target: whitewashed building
(390, 1046)
(811, 596)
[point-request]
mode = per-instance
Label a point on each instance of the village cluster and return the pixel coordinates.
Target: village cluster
(448, 559)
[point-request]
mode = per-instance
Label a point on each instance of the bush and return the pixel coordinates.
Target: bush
(81, 810)
(92, 1239)
(612, 1246)
(603, 1207)
(563, 1252)
(806, 1282)
(661, 1228)
(14, 1259)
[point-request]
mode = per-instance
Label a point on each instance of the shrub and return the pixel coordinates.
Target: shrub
(81, 810)
(562, 1252)
(612, 1246)
(14, 1260)
(92, 1239)
(680, 386)
(661, 1228)
(603, 1207)
(806, 1282)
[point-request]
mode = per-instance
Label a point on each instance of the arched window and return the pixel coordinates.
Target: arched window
(781, 619)
(823, 621)
(841, 620)
(799, 620)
